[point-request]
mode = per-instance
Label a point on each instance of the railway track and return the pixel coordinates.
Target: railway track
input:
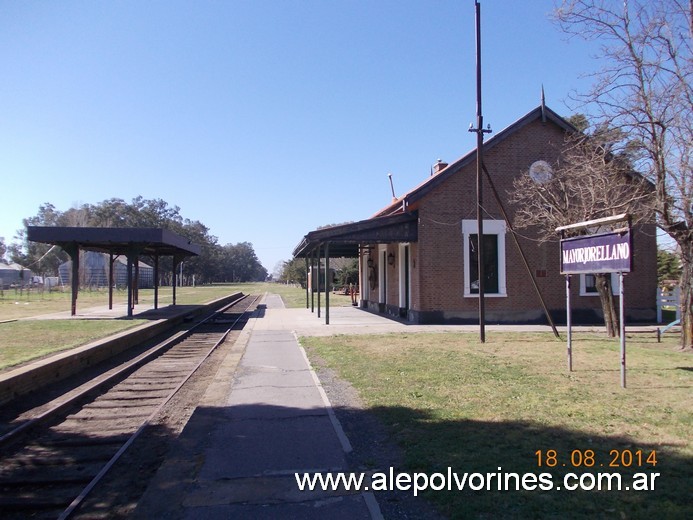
(50, 462)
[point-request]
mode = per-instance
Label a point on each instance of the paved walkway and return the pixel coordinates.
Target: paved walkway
(144, 311)
(263, 419)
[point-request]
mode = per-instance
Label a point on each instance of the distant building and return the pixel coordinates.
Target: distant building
(317, 282)
(13, 274)
(94, 271)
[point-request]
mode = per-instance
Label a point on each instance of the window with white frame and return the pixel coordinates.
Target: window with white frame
(588, 285)
(493, 243)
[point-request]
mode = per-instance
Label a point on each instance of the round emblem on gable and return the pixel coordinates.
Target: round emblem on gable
(540, 172)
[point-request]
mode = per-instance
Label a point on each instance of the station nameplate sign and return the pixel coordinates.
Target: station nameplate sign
(606, 253)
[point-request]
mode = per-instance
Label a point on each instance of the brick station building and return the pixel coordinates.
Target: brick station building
(417, 259)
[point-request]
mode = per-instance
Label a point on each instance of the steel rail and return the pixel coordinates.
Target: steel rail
(67, 513)
(108, 378)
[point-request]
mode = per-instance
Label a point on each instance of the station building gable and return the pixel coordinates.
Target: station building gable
(428, 275)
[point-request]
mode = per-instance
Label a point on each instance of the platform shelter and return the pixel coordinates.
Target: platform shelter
(349, 241)
(130, 242)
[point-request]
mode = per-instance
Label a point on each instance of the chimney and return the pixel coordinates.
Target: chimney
(438, 167)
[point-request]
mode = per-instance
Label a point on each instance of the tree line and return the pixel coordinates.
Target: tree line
(216, 263)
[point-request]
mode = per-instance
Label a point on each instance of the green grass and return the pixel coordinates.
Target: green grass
(22, 341)
(14, 305)
(450, 401)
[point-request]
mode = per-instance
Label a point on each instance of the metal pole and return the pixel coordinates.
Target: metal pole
(73, 251)
(479, 179)
(569, 323)
(156, 281)
(312, 281)
(317, 279)
(173, 275)
(110, 280)
(307, 273)
(327, 283)
(622, 315)
(129, 271)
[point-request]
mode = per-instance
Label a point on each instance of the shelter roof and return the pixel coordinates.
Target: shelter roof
(12, 266)
(147, 241)
(344, 239)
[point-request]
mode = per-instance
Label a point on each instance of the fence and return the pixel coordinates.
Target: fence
(667, 298)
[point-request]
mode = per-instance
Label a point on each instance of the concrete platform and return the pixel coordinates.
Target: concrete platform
(353, 320)
(263, 419)
(34, 375)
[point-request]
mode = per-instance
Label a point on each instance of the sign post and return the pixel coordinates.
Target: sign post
(609, 252)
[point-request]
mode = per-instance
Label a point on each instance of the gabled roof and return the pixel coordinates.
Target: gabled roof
(12, 266)
(542, 112)
(397, 222)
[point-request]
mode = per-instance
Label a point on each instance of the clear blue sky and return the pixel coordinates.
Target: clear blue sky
(291, 113)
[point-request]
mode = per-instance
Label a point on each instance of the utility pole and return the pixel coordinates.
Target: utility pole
(480, 131)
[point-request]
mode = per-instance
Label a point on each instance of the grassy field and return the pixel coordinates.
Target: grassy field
(22, 341)
(450, 401)
(15, 305)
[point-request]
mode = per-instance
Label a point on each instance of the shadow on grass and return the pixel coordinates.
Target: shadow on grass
(432, 445)
(260, 446)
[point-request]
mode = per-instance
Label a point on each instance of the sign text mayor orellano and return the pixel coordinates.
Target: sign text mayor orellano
(605, 253)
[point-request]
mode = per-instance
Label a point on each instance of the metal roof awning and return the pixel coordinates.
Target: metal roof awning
(131, 242)
(119, 241)
(344, 240)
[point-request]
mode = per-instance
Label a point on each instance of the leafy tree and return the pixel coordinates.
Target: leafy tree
(241, 263)
(214, 264)
(668, 267)
(645, 90)
(294, 271)
(40, 258)
(347, 270)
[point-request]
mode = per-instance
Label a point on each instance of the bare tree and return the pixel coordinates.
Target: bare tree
(591, 181)
(645, 89)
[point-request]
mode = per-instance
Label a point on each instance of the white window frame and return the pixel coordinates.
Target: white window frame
(382, 274)
(491, 227)
(615, 290)
(365, 288)
(404, 276)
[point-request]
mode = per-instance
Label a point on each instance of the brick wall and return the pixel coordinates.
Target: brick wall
(437, 260)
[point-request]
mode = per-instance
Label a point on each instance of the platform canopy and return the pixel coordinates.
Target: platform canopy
(118, 241)
(131, 242)
(344, 239)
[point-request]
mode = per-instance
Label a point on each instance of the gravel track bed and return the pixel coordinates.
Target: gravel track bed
(117, 495)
